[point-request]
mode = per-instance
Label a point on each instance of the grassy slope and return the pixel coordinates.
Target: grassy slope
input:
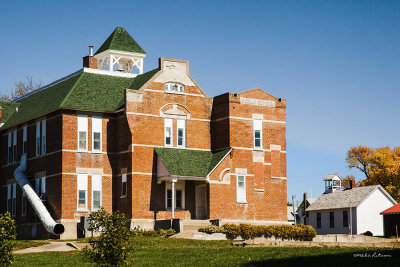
(163, 251)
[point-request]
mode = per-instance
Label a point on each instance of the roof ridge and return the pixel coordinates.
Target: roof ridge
(71, 90)
(48, 85)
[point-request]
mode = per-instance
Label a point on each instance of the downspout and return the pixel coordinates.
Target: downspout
(49, 224)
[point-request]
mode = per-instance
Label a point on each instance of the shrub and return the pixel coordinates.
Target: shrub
(7, 233)
(137, 231)
(112, 246)
(367, 233)
(210, 229)
(248, 231)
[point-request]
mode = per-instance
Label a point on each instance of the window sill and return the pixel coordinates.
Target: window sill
(259, 190)
(83, 151)
(177, 209)
(81, 211)
(258, 149)
(124, 196)
(97, 152)
(175, 93)
(241, 202)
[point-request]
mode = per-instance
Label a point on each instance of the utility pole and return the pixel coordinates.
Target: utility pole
(351, 220)
(294, 212)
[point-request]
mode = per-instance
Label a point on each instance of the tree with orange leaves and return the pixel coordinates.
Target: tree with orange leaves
(379, 165)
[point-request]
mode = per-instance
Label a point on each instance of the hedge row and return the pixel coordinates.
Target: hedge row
(247, 231)
(137, 231)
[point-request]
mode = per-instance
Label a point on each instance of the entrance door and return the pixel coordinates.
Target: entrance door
(201, 201)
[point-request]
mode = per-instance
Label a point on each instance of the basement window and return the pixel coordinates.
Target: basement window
(174, 87)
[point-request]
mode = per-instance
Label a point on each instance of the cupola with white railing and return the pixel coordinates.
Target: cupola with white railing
(333, 182)
(120, 53)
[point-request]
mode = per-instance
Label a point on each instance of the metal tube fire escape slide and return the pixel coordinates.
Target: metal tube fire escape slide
(48, 222)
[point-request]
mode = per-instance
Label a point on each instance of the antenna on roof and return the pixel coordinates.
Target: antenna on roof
(91, 50)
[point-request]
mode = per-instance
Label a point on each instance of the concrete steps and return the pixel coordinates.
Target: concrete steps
(194, 225)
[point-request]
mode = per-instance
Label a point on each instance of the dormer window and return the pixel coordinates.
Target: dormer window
(174, 87)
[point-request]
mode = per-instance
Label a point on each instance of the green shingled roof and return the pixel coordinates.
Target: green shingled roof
(184, 162)
(84, 91)
(7, 109)
(120, 40)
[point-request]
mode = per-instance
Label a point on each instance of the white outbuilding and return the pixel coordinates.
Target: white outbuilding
(350, 211)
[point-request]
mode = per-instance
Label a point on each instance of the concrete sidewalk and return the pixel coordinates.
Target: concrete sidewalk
(53, 246)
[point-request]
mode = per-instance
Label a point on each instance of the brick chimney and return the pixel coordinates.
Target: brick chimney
(89, 61)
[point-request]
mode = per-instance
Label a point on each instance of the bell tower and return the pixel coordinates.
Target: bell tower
(120, 53)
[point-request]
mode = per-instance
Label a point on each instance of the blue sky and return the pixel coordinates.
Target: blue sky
(335, 62)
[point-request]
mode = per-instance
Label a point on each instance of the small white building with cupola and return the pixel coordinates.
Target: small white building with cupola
(350, 211)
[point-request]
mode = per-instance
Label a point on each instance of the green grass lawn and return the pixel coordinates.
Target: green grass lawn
(160, 251)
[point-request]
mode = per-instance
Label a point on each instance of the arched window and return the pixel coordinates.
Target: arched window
(174, 87)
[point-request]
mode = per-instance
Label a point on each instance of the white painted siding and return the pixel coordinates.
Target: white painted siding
(369, 217)
(325, 221)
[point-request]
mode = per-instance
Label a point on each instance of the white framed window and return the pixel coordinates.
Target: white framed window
(10, 148)
(38, 147)
(257, 126)
(96, 134)
(15, 145)
(25, 140)
(174, 87)
(241, 189)
(82, 187)
(180, 133)
(179, 195)
(43, 137)
(23, 203)
(14, 199)
(123, 185)
(168, 132)
(82, 132)
(9, 199)
(96, 191)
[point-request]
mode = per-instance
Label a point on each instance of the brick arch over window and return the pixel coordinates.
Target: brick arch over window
(173, 110)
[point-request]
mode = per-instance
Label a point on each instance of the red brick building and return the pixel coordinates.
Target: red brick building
(134, 142)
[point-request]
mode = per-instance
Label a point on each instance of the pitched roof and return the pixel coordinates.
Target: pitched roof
(332, 176)
(392, 210)
(185, 162)
(7, 109)
(341, 198)
(120, 40)
(84, 91)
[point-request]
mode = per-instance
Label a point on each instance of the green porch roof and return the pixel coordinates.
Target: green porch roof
(120, 40)
(84, 91)
(185, 162)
